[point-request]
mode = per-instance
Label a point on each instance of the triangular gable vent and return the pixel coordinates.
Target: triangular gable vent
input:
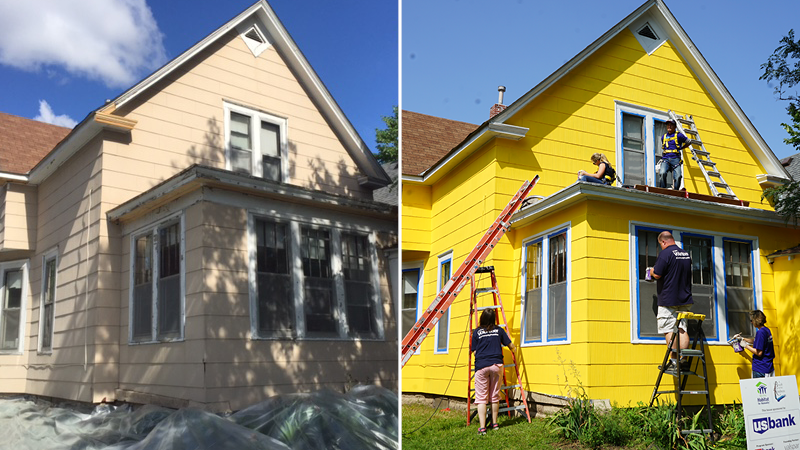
(255, 35)
(647, 32)
(255, 39)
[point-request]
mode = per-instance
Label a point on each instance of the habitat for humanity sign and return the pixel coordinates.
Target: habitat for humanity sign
(771, 413)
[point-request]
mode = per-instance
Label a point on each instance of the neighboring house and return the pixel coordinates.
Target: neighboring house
(792, 165)
(571, 267)
(209, 237)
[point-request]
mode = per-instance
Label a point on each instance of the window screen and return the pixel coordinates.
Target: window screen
(533, 292)
(10, 313)
(410, 299)
(443, 330)
(273, 279)
(738, 287)
(319, 297)
(169, 283)
(557, 289)
(357, 285)
(633, 149)
(647, 253)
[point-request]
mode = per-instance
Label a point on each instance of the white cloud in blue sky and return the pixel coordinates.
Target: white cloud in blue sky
(47, 115)
(115, 42)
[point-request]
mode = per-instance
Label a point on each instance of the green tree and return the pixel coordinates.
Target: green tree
(783, 66)
(387, 139)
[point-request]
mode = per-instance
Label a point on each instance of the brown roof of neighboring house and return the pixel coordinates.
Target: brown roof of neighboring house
(426, 139)
(25, 142)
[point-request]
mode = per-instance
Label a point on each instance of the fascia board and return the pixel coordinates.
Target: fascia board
(485, 134)
(719, 92)
(7, 176)
(79, 136)
(580, 191)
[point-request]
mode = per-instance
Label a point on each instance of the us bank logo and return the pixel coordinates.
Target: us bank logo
(765, 424)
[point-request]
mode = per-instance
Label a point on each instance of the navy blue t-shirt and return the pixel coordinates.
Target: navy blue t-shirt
(488, 346)
(763, 342)
(672, 142)
(674, 266)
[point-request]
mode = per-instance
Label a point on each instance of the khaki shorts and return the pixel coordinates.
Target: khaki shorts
(668, 315)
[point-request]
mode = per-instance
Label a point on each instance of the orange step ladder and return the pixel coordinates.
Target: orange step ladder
(472, 262)
(501, 318)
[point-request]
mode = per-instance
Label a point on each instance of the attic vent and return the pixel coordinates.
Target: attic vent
(647, 32)
(255, 35)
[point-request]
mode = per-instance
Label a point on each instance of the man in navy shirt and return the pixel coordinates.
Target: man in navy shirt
(673, 274)
(671, 145)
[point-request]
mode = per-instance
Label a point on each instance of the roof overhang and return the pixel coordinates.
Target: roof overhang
(766, 180)
(197, 177)
(474, 141)
(374, 175)
(657, 11)
(582, 191)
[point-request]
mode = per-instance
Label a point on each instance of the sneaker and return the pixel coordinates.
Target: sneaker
(482, 431)
(495, 426)
(670, 366)
(685, 366)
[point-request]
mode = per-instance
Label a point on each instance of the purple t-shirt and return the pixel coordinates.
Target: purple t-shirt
(488, 346)
(763, 342)
(674, 266)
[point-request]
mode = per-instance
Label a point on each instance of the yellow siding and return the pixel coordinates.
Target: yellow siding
(785, 318)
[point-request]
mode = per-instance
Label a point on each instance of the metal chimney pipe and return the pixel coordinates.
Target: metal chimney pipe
(500, 90)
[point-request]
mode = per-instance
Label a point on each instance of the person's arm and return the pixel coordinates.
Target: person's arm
(682, 142)
(748, 343)
(601, 169)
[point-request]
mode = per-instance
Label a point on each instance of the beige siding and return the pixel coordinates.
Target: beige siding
(181, 122)
(18, 217)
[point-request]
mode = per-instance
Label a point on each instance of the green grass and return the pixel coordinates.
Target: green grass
(448, 430)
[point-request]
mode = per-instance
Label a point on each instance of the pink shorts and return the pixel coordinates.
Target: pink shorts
(487, 384)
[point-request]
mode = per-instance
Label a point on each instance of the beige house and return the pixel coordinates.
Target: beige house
(207, 238)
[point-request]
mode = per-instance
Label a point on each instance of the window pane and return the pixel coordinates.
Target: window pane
(241, 161)
(10, 311)
(169, 287)
(272, 255)
(410, 292)
(633, 149)
(13, 289)
(358, 289)
(659, 130)
(270, 139)
(739, 294)
(271, 168)
(533, 294)
(240, 131)
(702, 282)
(315, 252)
(557, 311)
(143, 288)
(633, 131)
(275, 304)
(634, 167)
(648, 249)
(320, 319)
(49, 294)
(10, 330)
(443, 330)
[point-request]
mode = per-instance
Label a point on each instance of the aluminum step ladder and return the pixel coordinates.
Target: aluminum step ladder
(474, 310)
(413, 340)
(697, 351)
(717, 184)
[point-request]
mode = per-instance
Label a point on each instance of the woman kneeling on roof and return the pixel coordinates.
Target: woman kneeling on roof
(605, 173)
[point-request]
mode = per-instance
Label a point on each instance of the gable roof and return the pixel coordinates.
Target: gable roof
(24, 142)
(792, 165)
(427, 139)
(654, 11)
(374, 175)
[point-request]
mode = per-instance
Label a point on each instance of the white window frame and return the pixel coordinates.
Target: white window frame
(298, 278)
(256, 117)
(545, 237)
(49, 255)
(720, 303)
(419, 266)
(443, 258)
(649, 115)
(6, 267)
(153, 229)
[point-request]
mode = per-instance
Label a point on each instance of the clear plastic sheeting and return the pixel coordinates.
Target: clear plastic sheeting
(364, 418)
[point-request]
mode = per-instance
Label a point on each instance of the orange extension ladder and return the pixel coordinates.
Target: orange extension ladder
(501, 318)
(471, 263)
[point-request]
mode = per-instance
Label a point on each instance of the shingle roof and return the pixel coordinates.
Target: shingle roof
(792, 165)
(388, 194)
(24, 142)
(426, 139)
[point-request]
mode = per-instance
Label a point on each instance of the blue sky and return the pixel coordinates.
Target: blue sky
(456, 52)
(74, 54)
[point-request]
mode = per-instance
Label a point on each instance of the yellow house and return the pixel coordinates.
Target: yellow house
(571, 268)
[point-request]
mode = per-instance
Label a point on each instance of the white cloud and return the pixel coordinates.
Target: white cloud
(114, 41)
(47, 115)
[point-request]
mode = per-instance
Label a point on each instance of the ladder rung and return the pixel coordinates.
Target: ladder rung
(485, 290)
(511, 408)
(691, 352)
(701, 152)
(685, 121)
(703, 431)
(510, 386)
(706, 162)
(509, 365)
(713, 173)
(481, 308)
(731, 196)
(689, 130)
(718, 184)
(484, 269)
(694, 392)
(693, 142)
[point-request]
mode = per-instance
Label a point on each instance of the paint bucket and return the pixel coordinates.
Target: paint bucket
(647, 276)
(736, 343)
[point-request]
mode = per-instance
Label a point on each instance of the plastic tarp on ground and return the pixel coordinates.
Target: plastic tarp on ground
(364, 418)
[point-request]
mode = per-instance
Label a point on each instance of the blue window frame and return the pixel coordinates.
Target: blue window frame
(545, 288)
(740, 295)
(443, 326)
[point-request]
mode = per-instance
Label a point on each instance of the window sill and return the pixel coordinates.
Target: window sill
(163, 341)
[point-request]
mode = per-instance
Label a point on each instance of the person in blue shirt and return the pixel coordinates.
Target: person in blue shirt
(671, 145)
(673, 274)
(487, 343)
(760, 346)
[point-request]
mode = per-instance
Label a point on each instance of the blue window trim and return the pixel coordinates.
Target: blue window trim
(713, 277)
(636, 230)
(525, 246)
(544, 339)
(621, 162)
(565, 232)
(752, 278)
(440, 283)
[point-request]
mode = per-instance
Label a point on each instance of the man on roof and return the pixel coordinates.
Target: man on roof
(671, 145)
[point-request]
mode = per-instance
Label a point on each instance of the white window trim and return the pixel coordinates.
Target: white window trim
(4, 267)
(296, 269)
(719, 277)
(257, 116)
(420, 267)
(179, 218)
(443, 258)
(544, 236)
(649, 115)
(50, 254)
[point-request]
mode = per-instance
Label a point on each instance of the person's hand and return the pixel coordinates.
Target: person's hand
(581, 172)
(737, 336)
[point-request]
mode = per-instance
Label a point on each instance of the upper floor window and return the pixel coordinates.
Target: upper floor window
(639, 143)
(256, 143)
(12, 306)
(157, 304)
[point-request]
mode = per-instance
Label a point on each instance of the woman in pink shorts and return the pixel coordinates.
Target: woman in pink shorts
(487, 343)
